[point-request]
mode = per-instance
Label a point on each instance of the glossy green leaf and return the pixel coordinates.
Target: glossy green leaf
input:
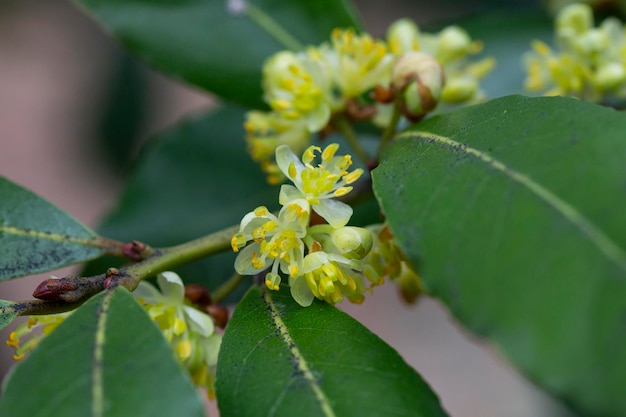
(8, 313)
(514, 213)
(205, 44)
(36, 236)
(107, 359)
(280, 359)
(195, 179)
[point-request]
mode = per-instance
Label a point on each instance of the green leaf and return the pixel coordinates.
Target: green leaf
(190, 181)
(106, 359)
(280, 359)
(8, 313)
(36, 236)
(514, 213)
(203, 43)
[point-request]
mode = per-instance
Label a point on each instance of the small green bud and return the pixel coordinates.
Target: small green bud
(459, 90)
(610, 76)
(410, 284)
(454, 43)
(421, 78)
(352, 242)
(403, 36)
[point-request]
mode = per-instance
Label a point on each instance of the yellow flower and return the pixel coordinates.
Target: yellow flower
(189, 331)
(386, 260)
(328, 277)
(23, 340)
(320, 184)
(588, 62)
(356, 63)
(276, 241)
(297, 89)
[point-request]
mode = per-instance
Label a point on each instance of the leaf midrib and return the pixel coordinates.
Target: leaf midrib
(603, 242)
(299, 359)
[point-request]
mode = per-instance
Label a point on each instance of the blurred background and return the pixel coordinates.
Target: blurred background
(74, 110)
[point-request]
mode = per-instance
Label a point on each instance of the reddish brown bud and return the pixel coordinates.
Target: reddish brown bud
(53, 289)
(357, 111)
(112, 276)
(135, 250)
(383, 95)
(198, 295)
(219, 314)
(371, 164)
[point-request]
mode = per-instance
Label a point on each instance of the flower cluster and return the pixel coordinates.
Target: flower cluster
(386, 260)
(189, 331)
(452, 47)
(323, 260)
(22, 338)
(361, 77)
(589, 62)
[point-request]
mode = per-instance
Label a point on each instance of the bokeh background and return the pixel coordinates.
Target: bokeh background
(71, 99)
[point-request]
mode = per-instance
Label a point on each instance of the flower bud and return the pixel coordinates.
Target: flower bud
(422, 79)
(610, 76)
(403, 36)
(454, 43)
(459, 90)
(352, 242)
(410, 284)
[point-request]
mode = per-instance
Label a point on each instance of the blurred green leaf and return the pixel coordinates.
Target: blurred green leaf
(190, 181)
(514, 212)
(123, 112)
(107, 359)
(203, 43)
(507, 36)
(37, 236)
(280, 359)
(8, 313)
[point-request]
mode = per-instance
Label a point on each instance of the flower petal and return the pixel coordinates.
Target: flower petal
(295, 216)
(243, 262)
(314, 260)
(148, 293)
(288, 193)
(199, 322)
(284, 158)
(212, 348)
(300, 291)
(171, 286)
(336, 213)
(318, 119)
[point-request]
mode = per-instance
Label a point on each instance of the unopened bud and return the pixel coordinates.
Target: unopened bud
(459, 90)
(403, 36)
(219, 314)
(454, 43)
(610, 76)
(410, 284)
(352, 242)
(54, 289)
(198, 295)
(422, 79)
